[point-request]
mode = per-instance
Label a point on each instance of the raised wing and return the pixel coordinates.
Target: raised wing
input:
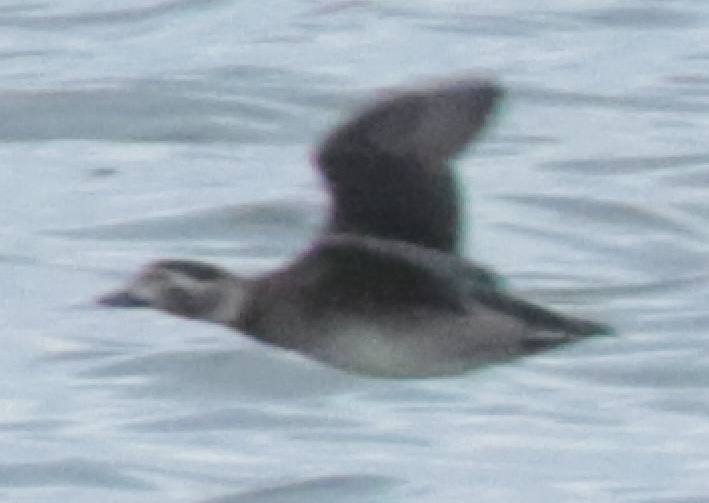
(387, 167)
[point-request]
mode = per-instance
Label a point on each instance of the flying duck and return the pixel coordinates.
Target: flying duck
(382, 291)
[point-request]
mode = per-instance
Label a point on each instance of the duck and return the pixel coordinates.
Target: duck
(383, 290)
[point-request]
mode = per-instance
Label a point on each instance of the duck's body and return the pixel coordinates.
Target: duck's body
(389, 308)
(382, 292)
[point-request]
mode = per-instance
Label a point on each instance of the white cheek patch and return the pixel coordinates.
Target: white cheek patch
(147, 289)
(183, 282)
(155, 286)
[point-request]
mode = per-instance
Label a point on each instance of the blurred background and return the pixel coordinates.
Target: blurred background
(143, 129)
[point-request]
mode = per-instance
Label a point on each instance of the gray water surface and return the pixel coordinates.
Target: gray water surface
(151, 128)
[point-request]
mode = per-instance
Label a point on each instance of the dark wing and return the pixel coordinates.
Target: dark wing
(362, 275)
(387, 167)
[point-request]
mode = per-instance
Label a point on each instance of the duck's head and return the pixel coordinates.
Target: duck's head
(184, 288)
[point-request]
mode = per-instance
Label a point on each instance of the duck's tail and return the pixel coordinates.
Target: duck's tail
(542, 319)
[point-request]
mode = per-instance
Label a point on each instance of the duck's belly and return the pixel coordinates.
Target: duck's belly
(406, 343)
(404, 350)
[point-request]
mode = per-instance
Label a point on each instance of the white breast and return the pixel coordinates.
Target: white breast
(381, 349)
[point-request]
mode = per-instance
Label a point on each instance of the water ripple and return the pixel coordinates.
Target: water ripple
(616, 213)
(339, 488)
(110, 17)
(289, 221)
(74, 472)
(644, 17)
(223, 374)
(626, 165)
(549, 97)
(240, 418)
(246, 104)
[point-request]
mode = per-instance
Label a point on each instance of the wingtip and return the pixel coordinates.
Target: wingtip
(432, 119)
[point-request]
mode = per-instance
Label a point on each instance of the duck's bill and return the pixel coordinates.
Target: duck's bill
(121, 298)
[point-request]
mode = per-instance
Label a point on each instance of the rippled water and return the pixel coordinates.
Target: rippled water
(183, 128)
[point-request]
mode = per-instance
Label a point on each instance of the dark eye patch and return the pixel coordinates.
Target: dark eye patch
(197, 270)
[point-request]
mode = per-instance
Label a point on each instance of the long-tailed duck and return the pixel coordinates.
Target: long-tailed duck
(382, 291)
